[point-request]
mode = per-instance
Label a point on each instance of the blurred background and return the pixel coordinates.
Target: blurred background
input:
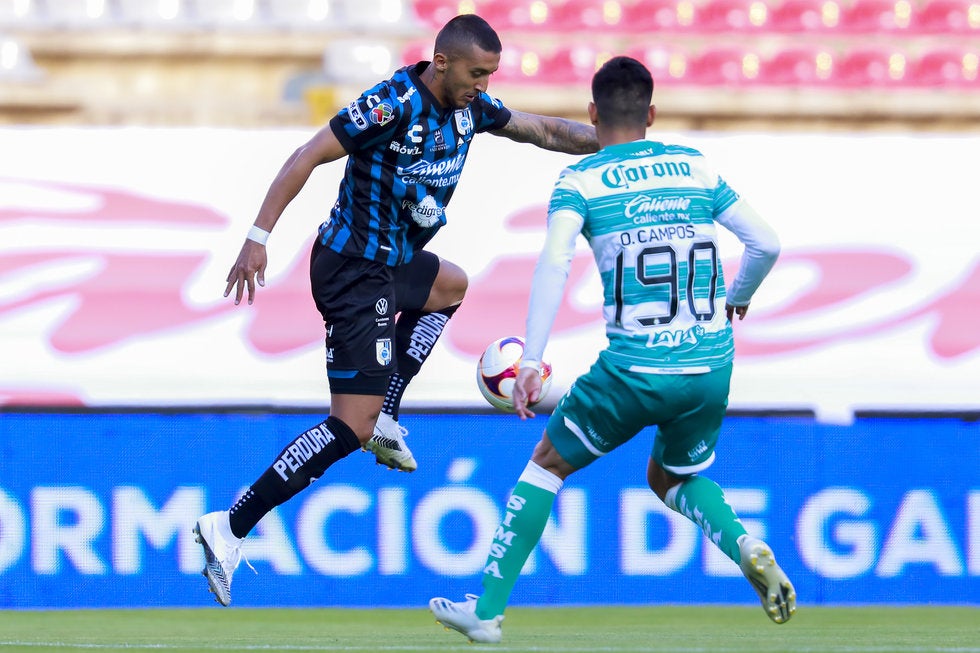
(720, 64)
(138, 138)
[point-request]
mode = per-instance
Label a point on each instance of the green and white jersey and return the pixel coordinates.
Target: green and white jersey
(649, 212)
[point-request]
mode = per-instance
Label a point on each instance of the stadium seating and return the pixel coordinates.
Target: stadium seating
(723, 65)
(792, 16)
(519, 64)
(572, 64)
(865, 67)
(415, 51)
(659, 17)
(736, 16)
(517, 14)
(666, 63)
(436, 13)
(946, 66)
(876, 17)
(947, 17)
(586, 15)
(801, 66)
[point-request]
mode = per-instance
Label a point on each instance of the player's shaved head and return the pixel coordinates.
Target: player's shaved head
(622, 90)
(459, 35)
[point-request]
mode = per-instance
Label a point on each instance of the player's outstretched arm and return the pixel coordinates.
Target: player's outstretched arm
(550, 133)
(249, 267)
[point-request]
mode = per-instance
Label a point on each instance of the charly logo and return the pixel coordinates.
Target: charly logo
(381, 306)
(426, 213)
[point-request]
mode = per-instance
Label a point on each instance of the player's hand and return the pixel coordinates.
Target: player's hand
(249, 268)
(731, 311)
(527, 390)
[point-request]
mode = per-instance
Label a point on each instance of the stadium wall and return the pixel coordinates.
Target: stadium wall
(96, 510)
(114, 253)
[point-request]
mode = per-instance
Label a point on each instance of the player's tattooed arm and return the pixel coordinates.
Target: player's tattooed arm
(550, 133)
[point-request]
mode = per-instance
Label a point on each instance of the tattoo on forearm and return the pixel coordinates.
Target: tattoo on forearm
(551, 133)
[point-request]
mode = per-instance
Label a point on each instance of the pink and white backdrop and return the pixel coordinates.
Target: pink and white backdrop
(115, 243)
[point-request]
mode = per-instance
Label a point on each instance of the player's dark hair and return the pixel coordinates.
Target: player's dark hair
(463, 32)
(622, 90)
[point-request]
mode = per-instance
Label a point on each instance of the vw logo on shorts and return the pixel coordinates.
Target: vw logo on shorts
(381, 306)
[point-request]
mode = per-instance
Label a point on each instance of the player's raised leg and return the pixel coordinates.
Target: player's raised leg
(428, 291)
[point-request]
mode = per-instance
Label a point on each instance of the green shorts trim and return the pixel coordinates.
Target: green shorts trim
(608, 405)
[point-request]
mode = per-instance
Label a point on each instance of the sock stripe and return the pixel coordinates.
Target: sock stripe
(540, 477)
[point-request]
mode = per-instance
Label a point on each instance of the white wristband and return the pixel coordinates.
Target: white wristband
(534, 365)
(258, 235)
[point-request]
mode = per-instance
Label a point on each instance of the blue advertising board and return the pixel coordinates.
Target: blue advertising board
(96, 510)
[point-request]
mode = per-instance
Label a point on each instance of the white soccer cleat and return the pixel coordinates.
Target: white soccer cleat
(770, 582)
(462, 617)
(222, 553)
(388, 445)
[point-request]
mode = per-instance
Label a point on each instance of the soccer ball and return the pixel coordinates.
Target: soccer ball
(497, 372)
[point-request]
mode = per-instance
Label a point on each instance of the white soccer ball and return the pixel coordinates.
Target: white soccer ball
(497, 370)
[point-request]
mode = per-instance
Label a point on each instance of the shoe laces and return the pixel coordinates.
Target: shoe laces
(236, 557)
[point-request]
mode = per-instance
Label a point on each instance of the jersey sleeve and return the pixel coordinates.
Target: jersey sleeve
(367, 120)
(492, 113)
(551, 272)
(724, 196)
(567, 196)
(761, 250)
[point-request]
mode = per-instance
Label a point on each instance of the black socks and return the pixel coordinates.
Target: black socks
(300, 463)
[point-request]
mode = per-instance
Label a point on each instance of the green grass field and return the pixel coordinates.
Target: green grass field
(612, 630)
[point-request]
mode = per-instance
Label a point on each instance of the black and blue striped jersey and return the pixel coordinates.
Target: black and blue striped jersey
(405, 157)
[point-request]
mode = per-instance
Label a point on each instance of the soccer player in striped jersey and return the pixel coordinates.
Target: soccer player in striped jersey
(406, 141)
(649, 212)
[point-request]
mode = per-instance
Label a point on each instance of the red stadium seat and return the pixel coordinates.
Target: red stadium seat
(516, 14)
(723, 65)
(803, 66)
(667, 64)
(436, 13)
(573, 64)
(731, 16)
(416, 51)
(586, 15)
(519, 64)
(946, 67)
(659, 16)
(876, 16)
(947, 17)
(793, 16)
(869, 66)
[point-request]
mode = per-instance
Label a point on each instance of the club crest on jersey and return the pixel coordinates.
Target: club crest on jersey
(383, 350)
(464, 121)
(382, 114)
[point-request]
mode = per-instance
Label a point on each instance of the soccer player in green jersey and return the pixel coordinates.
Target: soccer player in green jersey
(649, 212)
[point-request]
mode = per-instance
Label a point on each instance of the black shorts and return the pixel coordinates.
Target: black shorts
(358, 300)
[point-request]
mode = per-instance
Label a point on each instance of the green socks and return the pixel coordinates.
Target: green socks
(524, 521)
(702, 501)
